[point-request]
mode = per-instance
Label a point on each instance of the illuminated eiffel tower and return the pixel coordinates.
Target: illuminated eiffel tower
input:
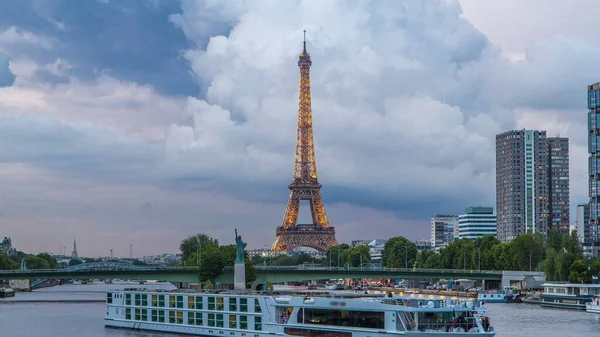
(305, 186)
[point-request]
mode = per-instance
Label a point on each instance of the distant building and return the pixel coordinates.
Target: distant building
(356, 243)
(74, 254)
(265, 252)
(582, 223)
(558, 184)
(6, 247)
(476, 222)
(423, 245)
(521, 183)
(375, 250)
(442, 230)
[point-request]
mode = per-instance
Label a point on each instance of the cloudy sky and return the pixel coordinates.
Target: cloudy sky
(142, 121)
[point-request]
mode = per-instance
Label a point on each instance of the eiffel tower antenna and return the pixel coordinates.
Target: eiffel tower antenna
(305, 186)
(304, 50)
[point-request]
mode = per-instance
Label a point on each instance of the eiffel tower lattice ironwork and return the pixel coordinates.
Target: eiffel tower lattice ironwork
(305, 186)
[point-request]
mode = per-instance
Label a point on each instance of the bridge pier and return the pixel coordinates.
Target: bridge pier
(20, 285)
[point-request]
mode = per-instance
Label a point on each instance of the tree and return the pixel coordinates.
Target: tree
(74, 262)
(190, 244)
(212, 264)
(358, 255)
(554, 240)
(434, 261)
(6, 263)
(549, 264)
(398, 252)
(528, 251)
(334, 254)
(51, 260)
(578, 272)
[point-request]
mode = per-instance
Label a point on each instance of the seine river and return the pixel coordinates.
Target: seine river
(78, 318)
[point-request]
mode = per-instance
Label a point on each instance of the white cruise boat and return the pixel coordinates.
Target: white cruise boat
(594, 305)
(242, 314)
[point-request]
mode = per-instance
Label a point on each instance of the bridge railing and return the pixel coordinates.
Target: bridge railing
(65, 270)
(381, 269)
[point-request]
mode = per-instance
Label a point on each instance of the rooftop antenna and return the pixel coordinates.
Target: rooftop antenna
(305, 41)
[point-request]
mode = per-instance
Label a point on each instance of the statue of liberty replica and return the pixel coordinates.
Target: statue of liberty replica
(239, 271)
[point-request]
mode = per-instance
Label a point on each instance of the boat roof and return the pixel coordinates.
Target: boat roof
(571, 285)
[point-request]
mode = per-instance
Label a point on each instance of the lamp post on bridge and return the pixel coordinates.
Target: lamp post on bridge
(479, 259)
(198, 249)
(405, 257)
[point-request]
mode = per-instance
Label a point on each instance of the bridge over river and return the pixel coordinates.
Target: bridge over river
(273, 274)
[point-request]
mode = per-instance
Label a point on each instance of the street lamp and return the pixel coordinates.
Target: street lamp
(479, 259)
(405, 257)
(465, 264)
(529, 260)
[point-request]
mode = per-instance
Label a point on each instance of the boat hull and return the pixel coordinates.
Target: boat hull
(592, 308)
(219, 332)
(564, 302)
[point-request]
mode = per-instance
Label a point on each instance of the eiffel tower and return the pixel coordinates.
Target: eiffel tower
(305, 186)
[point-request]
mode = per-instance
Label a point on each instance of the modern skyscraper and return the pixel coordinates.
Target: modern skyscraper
(521, 183)
(558, 184)
(442, 230)
(477, 222)
(594, 158)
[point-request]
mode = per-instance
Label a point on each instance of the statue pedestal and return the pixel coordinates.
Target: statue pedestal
(239, 276)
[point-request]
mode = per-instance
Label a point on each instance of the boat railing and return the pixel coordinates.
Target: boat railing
(448, 327)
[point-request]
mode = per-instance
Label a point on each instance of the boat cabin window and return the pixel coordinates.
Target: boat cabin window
(243, 304)
(109, 297)
(232, 304)
(362, 319)
(194, 318)
(244, 322)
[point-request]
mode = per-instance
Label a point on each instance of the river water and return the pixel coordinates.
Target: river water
(25, 316)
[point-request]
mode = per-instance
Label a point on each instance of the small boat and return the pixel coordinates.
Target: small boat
(594, 305)
(510, 294)
(6, 292)
(335, 284)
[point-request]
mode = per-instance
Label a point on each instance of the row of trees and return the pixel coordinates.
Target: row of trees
(39, 261)
(560, 257)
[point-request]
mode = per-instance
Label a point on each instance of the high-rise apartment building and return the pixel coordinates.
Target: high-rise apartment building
(476, 222)
(594, 162)
(442, 230)
(582, 224)
(521, 183)
(558, 184)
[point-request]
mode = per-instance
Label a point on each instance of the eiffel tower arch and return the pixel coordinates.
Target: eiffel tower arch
(305, 185)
